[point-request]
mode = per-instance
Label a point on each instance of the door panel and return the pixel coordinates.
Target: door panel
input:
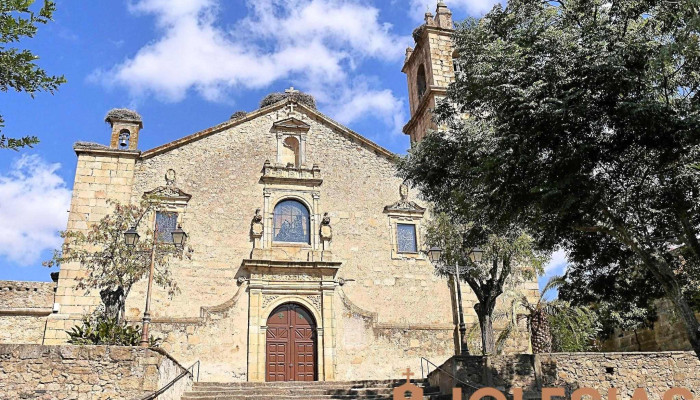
(291, 344)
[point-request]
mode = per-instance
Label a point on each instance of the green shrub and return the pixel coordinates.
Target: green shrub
(102, 330)
(574, 329)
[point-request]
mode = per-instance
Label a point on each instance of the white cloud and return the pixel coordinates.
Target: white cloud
(312, 43)
(34, 202)
(558, 263)
(471, 7)
(381, 104)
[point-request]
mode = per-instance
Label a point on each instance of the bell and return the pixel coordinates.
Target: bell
(123, 142)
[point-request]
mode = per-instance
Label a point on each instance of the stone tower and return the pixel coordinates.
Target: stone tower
(429, 69)
(126, 125)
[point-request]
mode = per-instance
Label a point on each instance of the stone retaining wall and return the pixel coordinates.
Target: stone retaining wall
(24, 309)
(667, 334)
(657, 372)
(86, 372)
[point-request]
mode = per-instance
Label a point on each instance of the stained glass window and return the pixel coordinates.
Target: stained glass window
(291, 222)
(166, 223)
(406, 238)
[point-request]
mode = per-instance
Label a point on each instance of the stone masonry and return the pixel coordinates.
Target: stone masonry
(376, 310)
(87, 372)
(24, 309)
(655, 372)
(667, 333)
(434, 54)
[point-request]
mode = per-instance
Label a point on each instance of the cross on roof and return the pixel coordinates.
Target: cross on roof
(291, 90)
(408, 374)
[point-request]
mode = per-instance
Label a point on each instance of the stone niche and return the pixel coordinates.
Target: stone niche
(310, 284)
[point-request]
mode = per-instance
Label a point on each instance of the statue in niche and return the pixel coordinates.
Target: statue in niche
(257, 224)
(326, 231)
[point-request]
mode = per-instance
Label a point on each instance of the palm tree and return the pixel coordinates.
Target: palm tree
(537, 317)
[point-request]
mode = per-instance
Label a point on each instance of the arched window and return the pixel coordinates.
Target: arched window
(291, 222)
(290, 151)
(420, 81)
(124, 135)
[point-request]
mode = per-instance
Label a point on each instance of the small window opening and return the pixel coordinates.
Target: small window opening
(406, 238)
(609, 370)
(124, 138)
(166, 223)
(420, 81)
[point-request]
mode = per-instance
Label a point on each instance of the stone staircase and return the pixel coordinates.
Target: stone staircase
(304, 390)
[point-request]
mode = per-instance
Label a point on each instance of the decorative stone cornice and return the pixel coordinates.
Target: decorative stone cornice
(291, 124)
(288, 264)
(281, 174)
(95, 148)
(425, 100)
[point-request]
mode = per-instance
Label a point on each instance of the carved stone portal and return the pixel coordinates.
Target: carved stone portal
(310, 284)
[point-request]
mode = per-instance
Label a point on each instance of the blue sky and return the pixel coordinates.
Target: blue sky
(186, 65)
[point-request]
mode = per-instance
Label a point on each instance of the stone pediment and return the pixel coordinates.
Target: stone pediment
(404, 206)
(291, 123)
(169, 193)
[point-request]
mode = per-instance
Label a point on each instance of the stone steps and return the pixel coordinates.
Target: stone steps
(370, 390)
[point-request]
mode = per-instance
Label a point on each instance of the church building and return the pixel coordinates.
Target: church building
(304, 256)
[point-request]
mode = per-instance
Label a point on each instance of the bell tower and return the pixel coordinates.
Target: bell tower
(429, 69)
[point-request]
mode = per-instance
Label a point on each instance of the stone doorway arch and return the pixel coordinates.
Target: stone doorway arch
(291, 344)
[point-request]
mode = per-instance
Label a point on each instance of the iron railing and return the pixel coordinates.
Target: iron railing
(189, 371)
(428, 363)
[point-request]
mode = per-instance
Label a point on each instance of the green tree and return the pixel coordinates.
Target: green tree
(110, 265)
(621, 294)
(18, 68)
(583, 119)
(508, 259)
(554, 325)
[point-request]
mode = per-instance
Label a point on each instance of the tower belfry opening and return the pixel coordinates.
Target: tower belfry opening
(429, 68)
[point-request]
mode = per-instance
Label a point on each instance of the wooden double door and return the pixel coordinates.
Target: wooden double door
(291, 344)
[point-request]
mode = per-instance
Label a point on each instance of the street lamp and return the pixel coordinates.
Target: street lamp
(131, 237)
(435, 254)
(179, 236)
(476, 255)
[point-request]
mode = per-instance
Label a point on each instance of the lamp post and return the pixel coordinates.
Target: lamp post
(131, 237)
(435, 253)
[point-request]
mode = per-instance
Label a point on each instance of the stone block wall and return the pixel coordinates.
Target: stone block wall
(20, 294)
(101, 175)
(667, 334)
(656, 372)
(24, 309)
(86, 372)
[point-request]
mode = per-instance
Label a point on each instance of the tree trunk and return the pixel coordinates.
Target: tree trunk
(540, 332)
(666, 277)
(114, 302)
(485, 314)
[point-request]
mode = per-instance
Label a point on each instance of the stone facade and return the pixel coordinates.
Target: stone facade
(656, 372)
(24, 309)
(376, 309)
(668, 333)
(87, 372)
(429, 69)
